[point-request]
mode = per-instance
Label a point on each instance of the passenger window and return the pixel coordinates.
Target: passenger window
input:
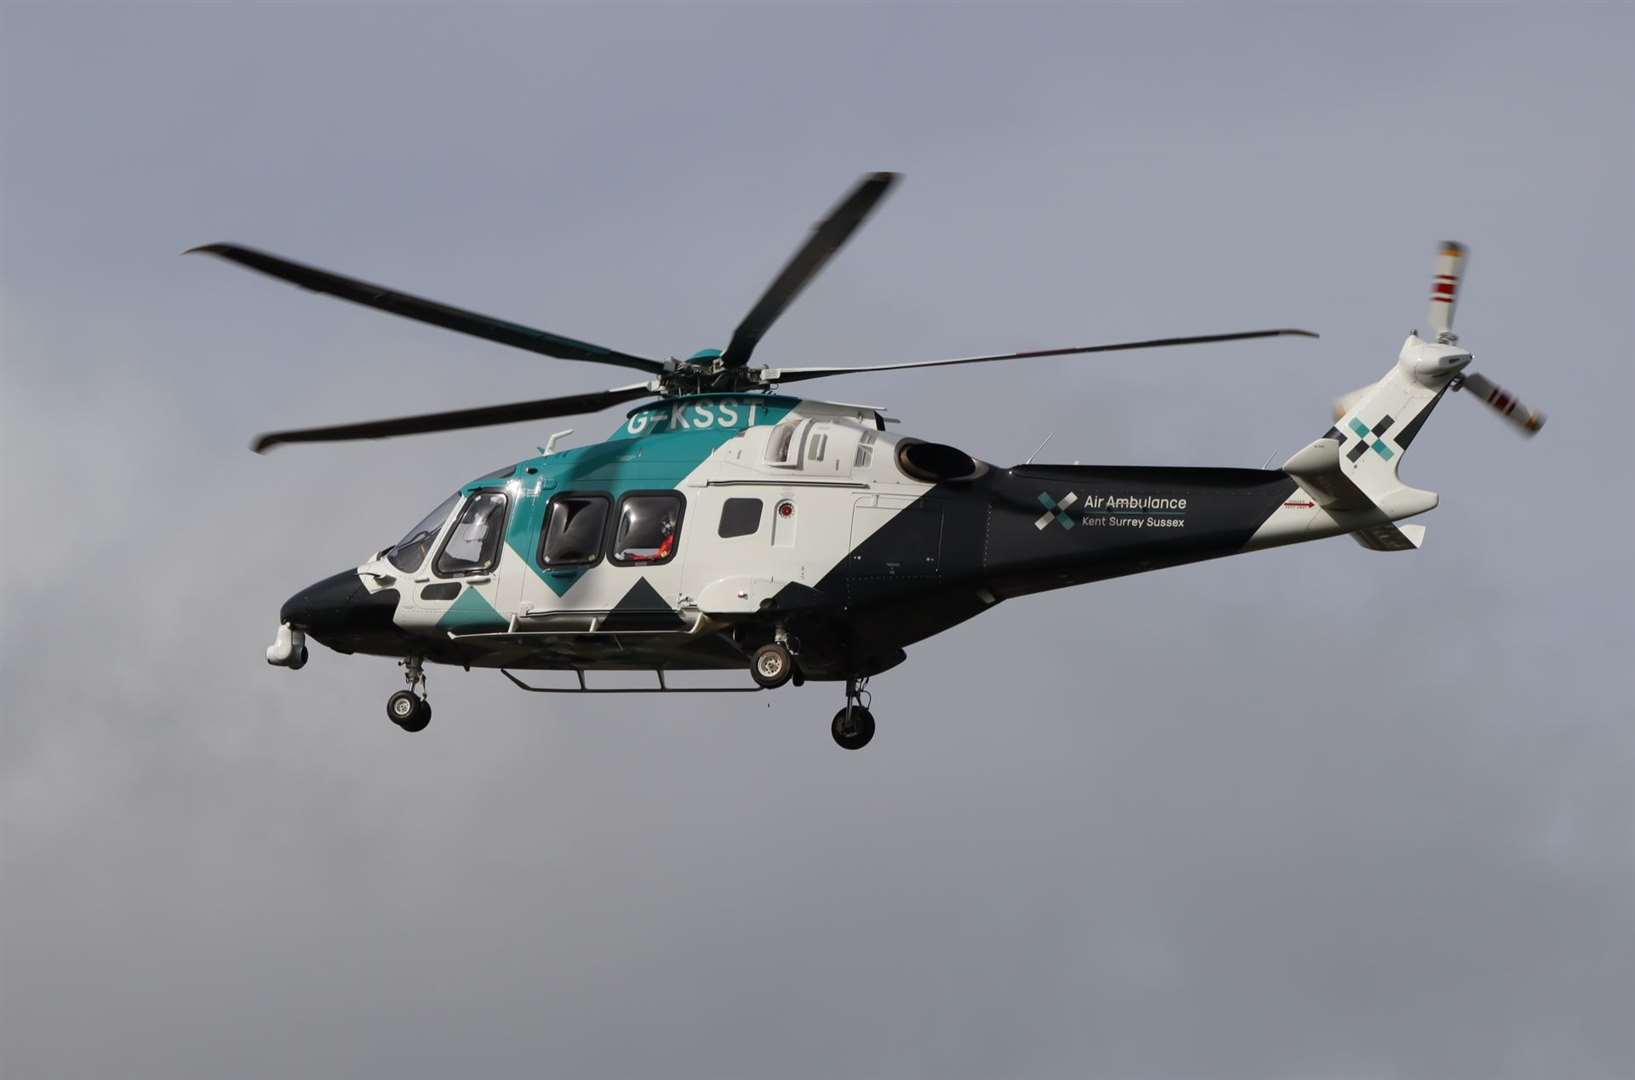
(740, 517)
(574, 528)
(649, 527)
(473, 544)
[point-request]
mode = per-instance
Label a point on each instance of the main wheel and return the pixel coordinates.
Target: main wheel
(771, 666)
(853, 727)
(407, 711)
(422, 717)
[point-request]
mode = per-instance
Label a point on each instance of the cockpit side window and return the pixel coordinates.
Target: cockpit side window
(473, 544)
(408, 553)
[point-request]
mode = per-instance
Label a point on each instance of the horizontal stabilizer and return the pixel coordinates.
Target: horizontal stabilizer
(1355, 502)
(1317, 470)
(1388, 537)
(1340, 486)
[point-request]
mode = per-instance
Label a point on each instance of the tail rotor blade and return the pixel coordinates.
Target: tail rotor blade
(1450, 269)
(1523, 418)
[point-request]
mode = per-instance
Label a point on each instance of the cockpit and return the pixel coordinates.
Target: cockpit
(409, 553)
(473, 542)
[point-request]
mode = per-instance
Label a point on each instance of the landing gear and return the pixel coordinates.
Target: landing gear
(409, 709)
(853, 725)
(772, 666)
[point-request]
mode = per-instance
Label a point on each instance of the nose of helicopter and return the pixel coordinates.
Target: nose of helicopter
(339, 607)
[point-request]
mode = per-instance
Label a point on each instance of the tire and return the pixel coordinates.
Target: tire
(300, 660)
(852, 727)
(402, 708)
(771, 666)
(422, 717)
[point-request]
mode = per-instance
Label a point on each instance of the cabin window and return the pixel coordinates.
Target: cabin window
(473, 544)
(820, 443)
(740, 517)
(649, 528)
(574, 527)
(408, 553)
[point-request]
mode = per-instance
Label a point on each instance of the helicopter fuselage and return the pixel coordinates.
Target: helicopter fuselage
(710, 525)
(727, 526)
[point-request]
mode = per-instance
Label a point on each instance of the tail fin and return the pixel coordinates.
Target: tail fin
(1351, 472)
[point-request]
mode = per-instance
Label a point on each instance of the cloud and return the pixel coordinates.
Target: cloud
(1310, 813)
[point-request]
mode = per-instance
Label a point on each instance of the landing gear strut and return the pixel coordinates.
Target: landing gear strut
(409, 709)
(853, 725)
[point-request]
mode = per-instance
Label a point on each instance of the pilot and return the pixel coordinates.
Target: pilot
(667, 542)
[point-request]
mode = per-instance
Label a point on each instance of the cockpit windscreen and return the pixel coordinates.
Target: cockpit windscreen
(408, 553)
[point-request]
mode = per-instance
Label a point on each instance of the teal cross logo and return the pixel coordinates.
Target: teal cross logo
(1369, 439)
(1055, 511)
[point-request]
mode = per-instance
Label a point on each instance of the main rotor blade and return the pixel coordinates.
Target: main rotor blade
(784, 375)
(820, 247)
(426, 311)
(571, 405)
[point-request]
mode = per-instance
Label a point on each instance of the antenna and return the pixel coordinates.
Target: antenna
(1038, 448)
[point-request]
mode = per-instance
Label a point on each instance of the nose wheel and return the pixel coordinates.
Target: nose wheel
(409, 709)
(853, 725)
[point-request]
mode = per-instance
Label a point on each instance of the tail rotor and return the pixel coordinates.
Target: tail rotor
(1450, 271)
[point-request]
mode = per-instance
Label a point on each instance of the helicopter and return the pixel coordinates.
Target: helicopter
(725, 526)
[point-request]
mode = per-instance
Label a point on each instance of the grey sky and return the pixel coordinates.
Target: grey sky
(1316, 813)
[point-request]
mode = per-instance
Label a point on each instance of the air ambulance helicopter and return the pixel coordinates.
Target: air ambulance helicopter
(727, 526)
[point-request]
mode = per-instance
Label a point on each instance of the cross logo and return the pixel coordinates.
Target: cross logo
(1055, 511)
(1370, 439)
